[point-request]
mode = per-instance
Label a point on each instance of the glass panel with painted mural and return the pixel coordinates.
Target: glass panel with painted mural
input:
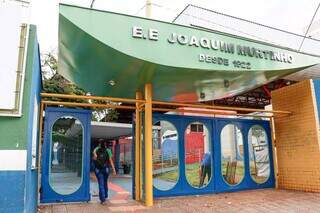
(165, 155)
(259, 154)
(66, 154)
(232, 161)
(198, 156)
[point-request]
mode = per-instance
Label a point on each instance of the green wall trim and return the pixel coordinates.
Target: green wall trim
(14, 130)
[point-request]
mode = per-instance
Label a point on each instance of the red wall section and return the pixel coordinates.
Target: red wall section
(194, 147)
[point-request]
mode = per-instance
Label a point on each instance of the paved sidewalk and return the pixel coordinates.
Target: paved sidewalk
(266, 200)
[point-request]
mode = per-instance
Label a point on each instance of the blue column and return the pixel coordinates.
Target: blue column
(316, 84)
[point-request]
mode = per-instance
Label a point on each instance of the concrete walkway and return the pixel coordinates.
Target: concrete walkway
(266, 200)
(119, 194)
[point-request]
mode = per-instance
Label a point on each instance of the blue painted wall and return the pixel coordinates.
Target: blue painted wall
(316, 84)
(12, 191)
(31, 197)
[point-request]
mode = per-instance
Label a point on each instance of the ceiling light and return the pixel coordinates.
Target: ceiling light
(202, 95)
(111, 82)
(226, 83)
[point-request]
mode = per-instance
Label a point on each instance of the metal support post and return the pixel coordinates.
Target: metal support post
(148, 145)
(137, 149)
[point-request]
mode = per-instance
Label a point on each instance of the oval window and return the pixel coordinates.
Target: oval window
(232, 162)
(165, 155)
(198, 158)
(259, 154)
(66, 154)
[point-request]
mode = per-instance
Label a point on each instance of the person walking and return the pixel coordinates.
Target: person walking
(102, 157)
(205, 168)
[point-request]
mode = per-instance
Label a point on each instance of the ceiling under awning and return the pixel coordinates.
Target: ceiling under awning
(110, 54)
(107, 130)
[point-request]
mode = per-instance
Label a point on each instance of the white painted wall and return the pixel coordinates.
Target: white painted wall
(13, 160)
(34, 134)
(12, 15)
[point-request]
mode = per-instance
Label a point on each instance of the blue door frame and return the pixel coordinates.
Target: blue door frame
(48, 195)
(217, 183)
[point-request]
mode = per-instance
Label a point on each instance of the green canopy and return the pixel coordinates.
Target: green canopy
(110, 54)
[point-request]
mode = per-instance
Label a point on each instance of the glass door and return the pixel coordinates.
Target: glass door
(66, 155)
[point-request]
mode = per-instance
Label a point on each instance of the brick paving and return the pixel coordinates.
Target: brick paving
(265, 200)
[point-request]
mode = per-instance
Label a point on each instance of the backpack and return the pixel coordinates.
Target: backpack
(102, 158)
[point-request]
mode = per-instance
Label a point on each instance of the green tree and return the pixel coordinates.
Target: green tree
(53, 82)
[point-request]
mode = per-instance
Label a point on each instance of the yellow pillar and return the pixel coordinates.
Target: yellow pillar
(137, 149)
(148, 145)
(274, 153)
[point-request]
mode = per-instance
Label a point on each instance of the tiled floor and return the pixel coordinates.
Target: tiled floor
(117, 185)
(266, 200)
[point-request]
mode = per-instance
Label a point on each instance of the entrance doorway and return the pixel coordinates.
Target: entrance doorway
(191, 155)
(118, 138)
(67, 167)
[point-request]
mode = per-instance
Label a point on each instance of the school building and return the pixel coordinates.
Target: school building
(162, 78)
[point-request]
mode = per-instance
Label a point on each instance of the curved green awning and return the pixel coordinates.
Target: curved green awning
(182, 63)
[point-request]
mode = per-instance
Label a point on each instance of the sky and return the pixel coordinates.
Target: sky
(289, 15)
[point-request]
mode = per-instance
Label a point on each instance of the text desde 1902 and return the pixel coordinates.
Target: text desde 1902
(223, 61)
